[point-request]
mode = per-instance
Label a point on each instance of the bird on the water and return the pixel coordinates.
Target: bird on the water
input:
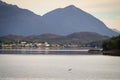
(70, 69)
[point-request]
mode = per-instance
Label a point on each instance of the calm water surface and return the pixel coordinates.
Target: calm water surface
(59, 67)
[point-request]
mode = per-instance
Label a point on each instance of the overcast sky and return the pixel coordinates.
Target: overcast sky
(107, 11)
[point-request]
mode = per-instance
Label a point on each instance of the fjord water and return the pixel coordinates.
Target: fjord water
(59, 67)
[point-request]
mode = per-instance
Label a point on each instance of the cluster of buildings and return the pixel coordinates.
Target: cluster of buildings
(24, 44)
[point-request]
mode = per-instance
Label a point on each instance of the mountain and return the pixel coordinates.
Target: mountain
(61, 21)
(78, 37)
(14, 20)
(72, 19)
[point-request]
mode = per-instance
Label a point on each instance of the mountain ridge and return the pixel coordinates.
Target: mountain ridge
(19, 21)
(77, 20)
(61, 21)
(78, 37)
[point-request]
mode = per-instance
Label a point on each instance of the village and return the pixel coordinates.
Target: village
(24, 44)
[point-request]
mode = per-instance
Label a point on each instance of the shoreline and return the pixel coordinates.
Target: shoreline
(113, 52)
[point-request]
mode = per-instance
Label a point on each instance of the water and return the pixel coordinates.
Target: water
(59, 67)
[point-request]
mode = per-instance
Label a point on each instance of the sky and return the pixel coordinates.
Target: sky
(107, 11)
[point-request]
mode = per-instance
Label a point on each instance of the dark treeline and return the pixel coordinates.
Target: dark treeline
(112, 46)
(113, 43)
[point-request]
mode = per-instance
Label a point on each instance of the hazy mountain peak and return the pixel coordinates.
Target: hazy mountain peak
(72, 19)
(15, 20)
(71, 6)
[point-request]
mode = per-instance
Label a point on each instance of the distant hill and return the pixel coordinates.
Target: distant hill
(61, 21)
(44, 36)
(79, 37)
(86, 36)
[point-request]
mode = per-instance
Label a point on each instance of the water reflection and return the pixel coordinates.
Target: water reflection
(48, 51)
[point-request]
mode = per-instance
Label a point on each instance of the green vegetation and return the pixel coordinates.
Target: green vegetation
(96, 43)
(6, 42)
(112, 46)
(113, 43)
